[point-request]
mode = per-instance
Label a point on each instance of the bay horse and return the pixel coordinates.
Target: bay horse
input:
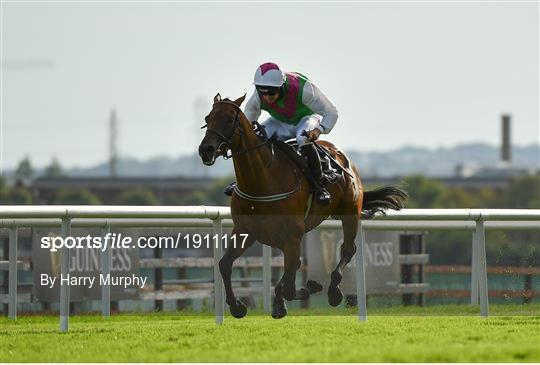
(271, 202)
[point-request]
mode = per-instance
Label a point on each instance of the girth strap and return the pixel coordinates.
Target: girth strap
(267, 198)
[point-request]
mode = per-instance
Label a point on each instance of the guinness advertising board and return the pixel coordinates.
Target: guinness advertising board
(381, 259)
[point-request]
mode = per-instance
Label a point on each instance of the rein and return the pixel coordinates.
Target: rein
(226, 141)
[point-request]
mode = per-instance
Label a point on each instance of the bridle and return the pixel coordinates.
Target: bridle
(227, 141)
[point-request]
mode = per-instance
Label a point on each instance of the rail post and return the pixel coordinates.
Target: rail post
(421, 300)
(474, 269)
(219, 305)
(105, 257)
(407, 270)
(64, 272)
(361, 276)
(158, 279)
(480, 266)
(5, 280)
(267, 277)
(12, 307)
(528, 288)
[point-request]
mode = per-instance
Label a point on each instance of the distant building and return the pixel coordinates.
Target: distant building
(500, 171)
(504, 169)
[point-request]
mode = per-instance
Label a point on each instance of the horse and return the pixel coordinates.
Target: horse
(271, 203)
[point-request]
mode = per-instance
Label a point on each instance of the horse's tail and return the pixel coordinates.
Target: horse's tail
(383, 198)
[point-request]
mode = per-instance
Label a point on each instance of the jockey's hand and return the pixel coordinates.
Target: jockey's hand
(313, 134)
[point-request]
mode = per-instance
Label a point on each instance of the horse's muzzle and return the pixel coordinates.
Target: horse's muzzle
(208, 154)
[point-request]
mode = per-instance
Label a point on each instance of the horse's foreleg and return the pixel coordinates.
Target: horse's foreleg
(286, 288)
(291, 258)
(348, 249)
(279, 308)
(236, 307)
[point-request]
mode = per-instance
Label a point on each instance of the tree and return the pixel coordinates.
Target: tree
(215, 194)
(423, 192)
(456, 198)
(523, 192)
(486, 198)
(54, 169)
(16, 196)
(139, 196)
(76, 196)
(194, 198)
(24, 170)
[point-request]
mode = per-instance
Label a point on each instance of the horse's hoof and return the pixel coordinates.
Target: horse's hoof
(335, 296)
(238, 310)
(279, 311)
(313, 286)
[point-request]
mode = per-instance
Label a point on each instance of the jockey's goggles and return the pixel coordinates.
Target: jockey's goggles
(267, 90)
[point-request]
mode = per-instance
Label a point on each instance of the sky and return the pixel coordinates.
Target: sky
(425, 74)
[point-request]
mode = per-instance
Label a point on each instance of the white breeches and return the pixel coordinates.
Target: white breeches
(284, 131)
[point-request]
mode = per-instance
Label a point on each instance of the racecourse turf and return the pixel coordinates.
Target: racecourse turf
(401, 334)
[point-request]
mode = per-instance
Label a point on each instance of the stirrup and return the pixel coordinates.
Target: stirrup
(229, 189)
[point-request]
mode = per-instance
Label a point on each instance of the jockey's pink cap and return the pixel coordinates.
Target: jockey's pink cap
(269, 74)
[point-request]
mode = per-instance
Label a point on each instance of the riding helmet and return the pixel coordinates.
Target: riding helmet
(269, 74)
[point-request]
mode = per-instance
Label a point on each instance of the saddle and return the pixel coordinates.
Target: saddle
(332, 172)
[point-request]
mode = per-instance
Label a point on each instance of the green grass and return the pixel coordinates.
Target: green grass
(431, 334)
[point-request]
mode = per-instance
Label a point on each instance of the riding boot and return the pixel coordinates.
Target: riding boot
(229, 189)
(314, 163)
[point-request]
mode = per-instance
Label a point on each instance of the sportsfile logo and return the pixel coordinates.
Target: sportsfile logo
(112, 240)
(120, 241)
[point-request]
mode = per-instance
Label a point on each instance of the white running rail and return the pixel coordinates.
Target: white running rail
(105, 217)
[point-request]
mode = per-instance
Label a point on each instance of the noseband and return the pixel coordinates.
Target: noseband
(227, 141)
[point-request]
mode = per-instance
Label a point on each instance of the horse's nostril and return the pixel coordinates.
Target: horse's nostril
(206, 150)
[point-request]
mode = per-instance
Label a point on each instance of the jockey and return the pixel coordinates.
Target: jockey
(295, 105)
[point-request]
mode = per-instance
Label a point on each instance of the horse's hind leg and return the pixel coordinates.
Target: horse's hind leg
(311, 287)
(236, 307)
(349, 224)
(279, 308)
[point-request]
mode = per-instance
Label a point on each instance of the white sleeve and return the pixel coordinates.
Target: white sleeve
(315, 100)
(253, 107)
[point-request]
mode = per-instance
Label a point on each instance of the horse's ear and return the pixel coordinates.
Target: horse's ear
(240, 100)
(217, 98)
